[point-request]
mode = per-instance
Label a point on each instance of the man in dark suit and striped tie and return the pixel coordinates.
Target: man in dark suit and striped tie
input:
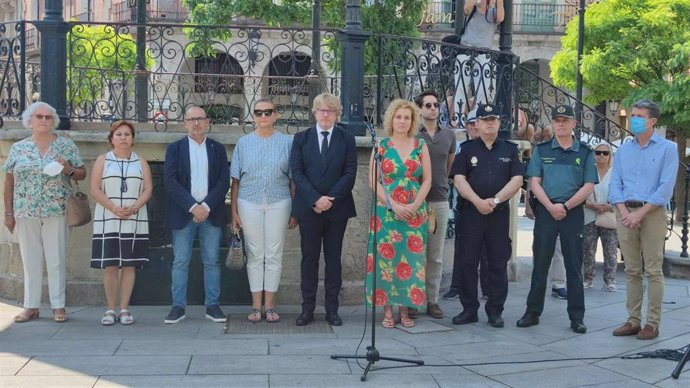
(323, 163)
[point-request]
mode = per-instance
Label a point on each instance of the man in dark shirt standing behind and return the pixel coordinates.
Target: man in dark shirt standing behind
(486, 173)
(442, 145)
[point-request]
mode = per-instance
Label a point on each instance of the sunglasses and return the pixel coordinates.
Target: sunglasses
(428, 105)
(43, 117)
(123, 185)
(263, 112)
(605, 153)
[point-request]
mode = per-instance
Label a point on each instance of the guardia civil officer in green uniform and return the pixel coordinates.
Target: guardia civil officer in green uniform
(562, 175)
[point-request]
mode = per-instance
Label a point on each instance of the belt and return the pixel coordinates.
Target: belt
(634, 204)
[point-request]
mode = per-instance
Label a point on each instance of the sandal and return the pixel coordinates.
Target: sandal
(60, 315)
(272, 316)
(108, 318)
(254, 316)
(26, 315)
(388, 323)
(125, 317)
(407, 322)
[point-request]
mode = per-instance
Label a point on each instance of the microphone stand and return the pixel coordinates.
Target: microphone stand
(681, 364)
(373, 354)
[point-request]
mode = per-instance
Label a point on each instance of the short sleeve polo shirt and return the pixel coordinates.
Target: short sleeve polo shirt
(563, 171)
(487, 170)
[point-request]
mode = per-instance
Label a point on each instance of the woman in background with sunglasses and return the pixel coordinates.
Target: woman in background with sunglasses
(261, 194)
(597, 204)
(38, 170)
(121, 184)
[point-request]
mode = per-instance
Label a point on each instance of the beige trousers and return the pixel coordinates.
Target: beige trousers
(434, 250)
(39, 239)
(643, 252)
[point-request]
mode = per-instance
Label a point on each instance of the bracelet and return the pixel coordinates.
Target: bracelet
(565, 207)
(71, 173)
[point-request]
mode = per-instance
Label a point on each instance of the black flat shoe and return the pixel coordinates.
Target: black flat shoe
(578, 327)
(496, 321)
(528, 320)
(304, 319)
(334, 319)
(465, 318)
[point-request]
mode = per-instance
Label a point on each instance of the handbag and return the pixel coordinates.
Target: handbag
(431, 213)
(78, 209)
(605, 220)
(236, 259)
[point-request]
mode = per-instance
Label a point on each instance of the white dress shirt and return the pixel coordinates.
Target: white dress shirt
(198, 166)
(320, 136)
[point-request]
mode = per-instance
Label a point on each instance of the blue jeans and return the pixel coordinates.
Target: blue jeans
(183, 240)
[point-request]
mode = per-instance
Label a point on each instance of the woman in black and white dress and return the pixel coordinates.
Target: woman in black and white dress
(121, 185)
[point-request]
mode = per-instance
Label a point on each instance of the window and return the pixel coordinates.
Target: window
(222, 74)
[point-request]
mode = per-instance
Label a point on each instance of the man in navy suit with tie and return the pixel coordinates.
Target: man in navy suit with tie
(323, 163)
(197, 179)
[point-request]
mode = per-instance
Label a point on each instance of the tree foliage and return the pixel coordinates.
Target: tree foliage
(96, 54)
(633, 49)
(395, 17)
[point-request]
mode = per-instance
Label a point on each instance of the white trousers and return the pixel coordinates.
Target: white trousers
(39, 239)
(434, 250)
(557, 270)
(474, 76)
(264, 226)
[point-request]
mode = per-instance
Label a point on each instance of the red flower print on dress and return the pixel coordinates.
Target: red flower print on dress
(400, 195)
(411, 165)
(415, 221)
(387, 180)
(417, 296)
(381, 297)
(387, 166)
(375, 223)
(386, 250)
(415, 243)
(370, 263)
(403, 271)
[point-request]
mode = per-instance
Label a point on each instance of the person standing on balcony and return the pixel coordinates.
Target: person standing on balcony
(474, 68)
(562, 175)
(323, 163)
(487, 173)
(442, 144)
(642, 180)
(197, 179)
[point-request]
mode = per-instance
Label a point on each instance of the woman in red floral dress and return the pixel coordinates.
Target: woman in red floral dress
(400, 233)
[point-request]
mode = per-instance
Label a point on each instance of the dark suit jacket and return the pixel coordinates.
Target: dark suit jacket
(335, 179)
(178, 183)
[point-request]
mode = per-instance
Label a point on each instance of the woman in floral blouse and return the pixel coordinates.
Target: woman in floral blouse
(38, 170)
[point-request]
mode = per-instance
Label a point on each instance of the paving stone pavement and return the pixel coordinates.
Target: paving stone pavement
(195, 352)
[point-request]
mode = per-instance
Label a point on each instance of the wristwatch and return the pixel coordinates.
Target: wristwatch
(565, 207)
(496, 201)
(71, 173)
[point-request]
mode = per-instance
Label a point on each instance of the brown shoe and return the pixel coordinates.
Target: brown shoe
(627, 329)
(412, 313)
(648, 332)
(434, 310)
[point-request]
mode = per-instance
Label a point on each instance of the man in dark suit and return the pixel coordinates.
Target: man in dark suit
(324, 165)
(197, 179)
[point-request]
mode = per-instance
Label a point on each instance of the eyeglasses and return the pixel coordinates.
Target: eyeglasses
(263, 112)
(123, 185)
(43, 117)
(605, 153)
(326, 111)
(428, 105)
(195, 119)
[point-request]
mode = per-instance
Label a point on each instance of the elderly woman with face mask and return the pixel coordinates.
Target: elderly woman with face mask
(38, 170)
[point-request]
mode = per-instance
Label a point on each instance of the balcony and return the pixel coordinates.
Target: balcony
(545, 17)
(156, 11)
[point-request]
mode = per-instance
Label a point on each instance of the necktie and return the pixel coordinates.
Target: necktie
(324, 147)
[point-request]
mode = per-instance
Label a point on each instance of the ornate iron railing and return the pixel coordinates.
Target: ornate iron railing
(254, 62)
(15, 72)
